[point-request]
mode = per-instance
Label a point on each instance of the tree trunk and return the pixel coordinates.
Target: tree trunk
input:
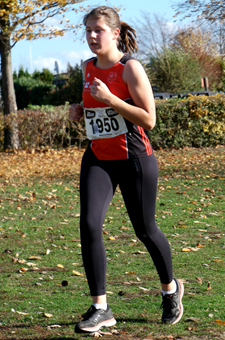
(11, 138)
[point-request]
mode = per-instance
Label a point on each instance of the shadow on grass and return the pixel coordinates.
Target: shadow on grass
(38, 329)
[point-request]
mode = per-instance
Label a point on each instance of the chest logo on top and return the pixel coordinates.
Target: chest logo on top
(87, 86)
(112, 77)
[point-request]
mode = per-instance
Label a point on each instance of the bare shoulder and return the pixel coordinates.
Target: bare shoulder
(133, 63)
(133, 70)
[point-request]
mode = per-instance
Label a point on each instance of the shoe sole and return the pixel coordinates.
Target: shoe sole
(181, 305)
(106, 323)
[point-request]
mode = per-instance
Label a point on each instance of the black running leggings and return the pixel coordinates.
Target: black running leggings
(137, 179)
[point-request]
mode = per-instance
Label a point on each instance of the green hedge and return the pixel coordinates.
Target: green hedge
(31, 91)
(197, 121)
(194, 121)
(45, 126)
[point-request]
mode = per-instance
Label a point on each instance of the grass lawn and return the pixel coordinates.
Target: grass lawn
(43, 286)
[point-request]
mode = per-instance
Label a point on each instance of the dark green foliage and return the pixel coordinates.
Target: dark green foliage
(46, 76)
(71, 92)
(30, 91)
(175, 72)
(23, 73)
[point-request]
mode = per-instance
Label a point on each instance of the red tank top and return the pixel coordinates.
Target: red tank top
(133, 143)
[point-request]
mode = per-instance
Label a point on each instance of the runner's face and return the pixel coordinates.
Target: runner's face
(99, 36)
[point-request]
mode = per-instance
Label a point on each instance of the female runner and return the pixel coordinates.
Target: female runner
(119, 109)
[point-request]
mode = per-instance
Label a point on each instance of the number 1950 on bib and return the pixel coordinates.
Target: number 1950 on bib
(104, 122)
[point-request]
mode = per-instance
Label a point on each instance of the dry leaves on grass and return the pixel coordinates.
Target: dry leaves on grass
(209, 159)
(23, 164)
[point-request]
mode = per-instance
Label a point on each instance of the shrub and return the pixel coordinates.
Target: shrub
(46, 126)
(45, 76)
(174, 72)
(70, 92)
(200, 45)
(30, 91)
(194, 121)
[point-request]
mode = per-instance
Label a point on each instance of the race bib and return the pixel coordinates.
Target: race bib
(104, 122)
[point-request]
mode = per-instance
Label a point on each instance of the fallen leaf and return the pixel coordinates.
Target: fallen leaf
(192, 319)
(200, 245)
(190, 249)
(129, 273)
(77, 273)
(209, 286)
(31, 264)
(207, 189)
(23, 269)
(47, 315)
(105, 333)
(124, 228)
(22, 313)
(220, 322)
(8, 251)
(145, 289)
(22, 261)
(199, 279)
(218, 260)
(53, 326)
(34, 258)
(60, 266)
